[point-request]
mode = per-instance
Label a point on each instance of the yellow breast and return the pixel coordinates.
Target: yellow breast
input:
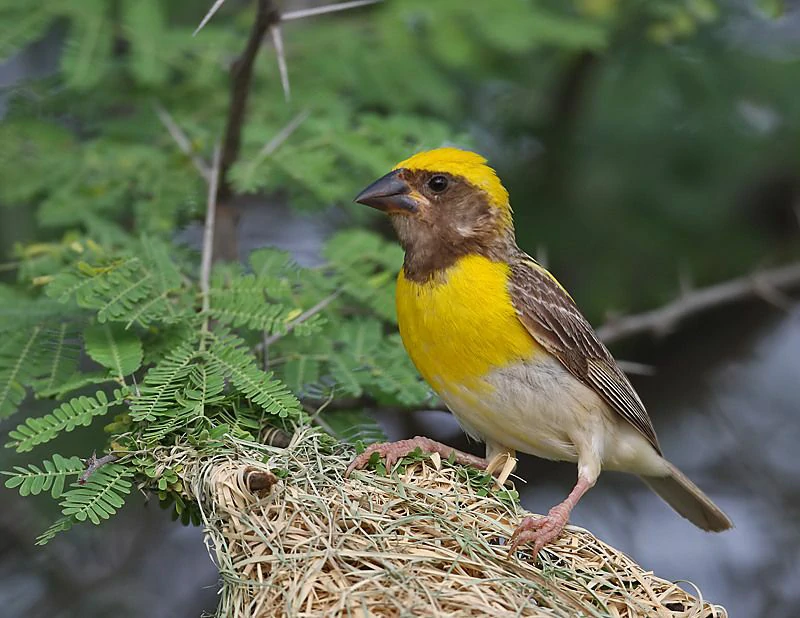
(461, 325)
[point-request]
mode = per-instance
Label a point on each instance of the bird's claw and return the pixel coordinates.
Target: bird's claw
(391, 452)
(540, 531)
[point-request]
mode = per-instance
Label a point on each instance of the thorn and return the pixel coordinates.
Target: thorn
(272, 145)
(183, 142)
(211, 12)
(330, 8)
(277, 40)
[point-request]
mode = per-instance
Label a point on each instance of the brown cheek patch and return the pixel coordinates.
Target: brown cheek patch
(456, 223)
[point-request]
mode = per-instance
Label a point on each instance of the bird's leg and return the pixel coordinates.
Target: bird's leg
(392, 451)
(543, 530)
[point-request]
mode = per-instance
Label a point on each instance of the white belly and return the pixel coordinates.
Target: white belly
(538, 407)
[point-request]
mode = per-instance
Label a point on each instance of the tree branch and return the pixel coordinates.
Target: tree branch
(208, 232)
(93, 464)
(664, 320)
(241, 79)
(306, 315)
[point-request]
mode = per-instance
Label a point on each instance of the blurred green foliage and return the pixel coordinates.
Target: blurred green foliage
(627, 131)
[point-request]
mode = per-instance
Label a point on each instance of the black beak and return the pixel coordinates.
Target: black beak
(389, 194)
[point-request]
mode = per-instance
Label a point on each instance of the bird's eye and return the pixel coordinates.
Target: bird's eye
(437, 183)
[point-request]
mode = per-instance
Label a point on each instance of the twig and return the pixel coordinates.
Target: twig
(93, 464)
(208, 233)
(216, 6)
(182, 141)
(664, 319)
(242, 75)
(306, 315)
(329, 8)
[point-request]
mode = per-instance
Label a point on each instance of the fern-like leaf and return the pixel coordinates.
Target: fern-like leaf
(61, 361)
(135, 289)
(248, 311)
(352, 426)
(115, 348)
(100, 497)
(144, 24)
(88, 47)
(77, 412)
(51, 476)
(16, 369)
(204, 388)
(62, 524)
(301, 373)
(163, 383)
(229, 355)
(74, 382)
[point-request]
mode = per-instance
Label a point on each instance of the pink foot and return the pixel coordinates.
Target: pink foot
(541, 530)
(393, 451)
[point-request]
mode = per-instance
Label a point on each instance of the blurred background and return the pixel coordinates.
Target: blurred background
(650, 148)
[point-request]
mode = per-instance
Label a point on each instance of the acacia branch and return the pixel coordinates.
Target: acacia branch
(241, 78)
(208, 232)
(766, 285)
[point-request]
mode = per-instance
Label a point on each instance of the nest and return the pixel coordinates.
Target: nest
(292, 537)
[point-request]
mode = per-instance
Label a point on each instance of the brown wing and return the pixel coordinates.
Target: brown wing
(551, 317)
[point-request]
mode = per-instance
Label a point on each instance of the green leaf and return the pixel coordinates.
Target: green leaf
(229, 355)
(75, 382)
(100, 497)
(77, 412)
(144, 25)
(88, 47)
(204, 388)
(115, 348)
(61, 360)
(346, 379)
(135, 289)
(50, 477)
(352, 426)
(20, 28)
(298, 373)
(163, 383)
(61, 525)
(15, 369)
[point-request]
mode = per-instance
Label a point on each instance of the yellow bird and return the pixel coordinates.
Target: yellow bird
(506, 348)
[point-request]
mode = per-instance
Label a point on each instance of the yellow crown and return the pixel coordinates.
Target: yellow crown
(469, 165)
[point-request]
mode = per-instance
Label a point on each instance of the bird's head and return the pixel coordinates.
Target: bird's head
(444, 204)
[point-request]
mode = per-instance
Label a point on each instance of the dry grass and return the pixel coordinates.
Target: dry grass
(423, 542)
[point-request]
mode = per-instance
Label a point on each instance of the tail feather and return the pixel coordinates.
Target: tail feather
(688, 500)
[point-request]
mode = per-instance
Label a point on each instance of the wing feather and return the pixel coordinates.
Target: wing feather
(553, 319)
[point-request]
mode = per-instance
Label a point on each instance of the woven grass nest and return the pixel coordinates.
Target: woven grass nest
(292, 537)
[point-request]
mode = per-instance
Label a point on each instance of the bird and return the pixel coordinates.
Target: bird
(505, 347)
